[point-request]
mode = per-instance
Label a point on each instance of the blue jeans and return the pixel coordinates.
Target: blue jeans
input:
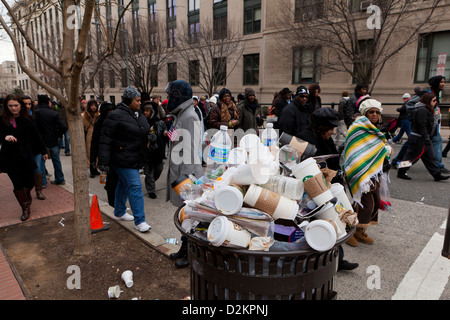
(129, 187)
(65, 142)
(54, 154)
(405, 127)
(436, 141)
(401, 154)
(38, 159)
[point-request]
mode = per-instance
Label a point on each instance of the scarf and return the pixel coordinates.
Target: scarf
(364, 155)
(225, 113)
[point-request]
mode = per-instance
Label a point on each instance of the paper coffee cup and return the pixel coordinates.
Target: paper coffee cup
(338, 192)
(127, 277)
(306, 168)
(176, 185)
(274, 204)
(228, 200)
(329, 213)
(114, 292)
(320, 235)
(223, 232)
(317, 188)
(251, 174)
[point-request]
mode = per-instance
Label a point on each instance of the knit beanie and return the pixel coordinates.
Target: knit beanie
(179, 91)
(368, 104)
(129, 94)
(223, 92)
(249, 92)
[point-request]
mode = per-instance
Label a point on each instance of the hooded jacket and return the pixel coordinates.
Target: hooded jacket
(423, 122)
(123, 139)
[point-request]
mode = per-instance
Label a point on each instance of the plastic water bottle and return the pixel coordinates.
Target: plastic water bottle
(269, 136)
(218, 152)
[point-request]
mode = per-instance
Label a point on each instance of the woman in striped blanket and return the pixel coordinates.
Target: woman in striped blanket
(364, 159)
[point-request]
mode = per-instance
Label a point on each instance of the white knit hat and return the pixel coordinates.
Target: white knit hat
(368, 104)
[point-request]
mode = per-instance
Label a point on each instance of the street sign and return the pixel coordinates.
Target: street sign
(442, 58)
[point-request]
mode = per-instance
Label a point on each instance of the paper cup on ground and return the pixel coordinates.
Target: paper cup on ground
(228, 200)
(274, 204)
(114, 292)
(127, 277)
(249, 142)
(237, 156)
(223, 232)
(306, 168)
(320, 235)
(251, 174)
(338, 192)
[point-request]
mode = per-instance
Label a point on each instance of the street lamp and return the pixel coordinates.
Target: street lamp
(126, 49)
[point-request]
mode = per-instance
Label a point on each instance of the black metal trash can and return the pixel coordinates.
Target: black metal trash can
(219, 273)
(446, 246)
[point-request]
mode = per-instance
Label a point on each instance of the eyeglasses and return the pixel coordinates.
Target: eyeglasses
(373, 111)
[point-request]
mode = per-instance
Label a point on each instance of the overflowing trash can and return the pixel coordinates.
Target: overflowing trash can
(220, 273)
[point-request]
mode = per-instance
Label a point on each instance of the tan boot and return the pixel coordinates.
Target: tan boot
(361, 236)
(352, 242)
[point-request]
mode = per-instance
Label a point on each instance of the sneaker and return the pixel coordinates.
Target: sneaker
(445, 170)
(58, 182)
(68, 154)
(398, 142)
(125, 217)
(142, 227)
(152, 195)
(404, 176)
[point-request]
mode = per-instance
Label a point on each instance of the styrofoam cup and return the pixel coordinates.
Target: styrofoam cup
(114, 292)
(320, 235)
(276, 205)
(251, 173)
(306, 168)
(223, 232)
(249, 142)
(237, 156)
(127, 277)
(228, 200)
(338, 192)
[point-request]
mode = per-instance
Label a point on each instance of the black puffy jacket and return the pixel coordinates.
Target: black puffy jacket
(123, 139)
(423, 122)
(294, 118)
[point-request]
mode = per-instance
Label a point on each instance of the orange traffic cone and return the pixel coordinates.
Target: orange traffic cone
(96, 217)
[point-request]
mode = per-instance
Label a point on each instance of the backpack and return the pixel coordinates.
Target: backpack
(411, 107)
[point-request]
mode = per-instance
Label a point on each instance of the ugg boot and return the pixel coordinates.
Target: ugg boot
(361, 236)
(352, 242)
(38, 186)
(22, 198)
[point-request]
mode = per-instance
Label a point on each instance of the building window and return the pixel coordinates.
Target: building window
(136, 30)
(359, 5)
(171, 23)
(194, 72)
(251, 69)
(220, 17)
(220, 71)
(306, 65)
(362, 60)
(171, 71)
(306, 10)
(112, 99)
(112, 79)
(194, 21)
(428, 51)
(124, 77)
(153, 76)
(252, 16)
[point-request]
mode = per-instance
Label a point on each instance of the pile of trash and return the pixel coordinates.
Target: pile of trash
(267, 194)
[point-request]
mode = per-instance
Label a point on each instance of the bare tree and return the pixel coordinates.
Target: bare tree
(209, 60)
(67, 67)
(356, 39)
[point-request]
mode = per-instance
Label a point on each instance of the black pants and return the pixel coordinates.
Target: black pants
(417, 149)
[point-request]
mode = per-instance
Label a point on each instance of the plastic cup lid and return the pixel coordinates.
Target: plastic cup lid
(228, 200)
(217, 231)
(320, 235)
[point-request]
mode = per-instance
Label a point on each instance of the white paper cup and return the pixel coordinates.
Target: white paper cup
(338, 192)
(251, 174)
(320, 235)
(127, 277)
(306, 168)
(276, 205)
(223, 232)
(323, 198)
(249, 142)
(237, 156)
(329, 212)
(228, 200)
(114, 292)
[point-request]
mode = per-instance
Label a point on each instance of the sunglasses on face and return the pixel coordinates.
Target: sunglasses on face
(373, 112)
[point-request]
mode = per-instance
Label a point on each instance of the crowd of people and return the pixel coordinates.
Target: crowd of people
(136, 136)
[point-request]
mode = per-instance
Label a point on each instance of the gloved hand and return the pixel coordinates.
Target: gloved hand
(103, 168)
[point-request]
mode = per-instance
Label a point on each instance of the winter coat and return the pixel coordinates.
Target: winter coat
(423, 122)
(18, 156)
(249, 116)
(342, 108)
(88, 124)
(351, 109)
(403, 114)
(156, 144)
(294, 118)
(324, 147)
(50, 125)
(184, 158)
(123, 139)
(215, 120)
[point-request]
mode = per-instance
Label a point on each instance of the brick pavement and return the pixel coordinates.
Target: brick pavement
(58, 201)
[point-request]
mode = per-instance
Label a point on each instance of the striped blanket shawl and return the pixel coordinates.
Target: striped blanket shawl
(364, 154)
